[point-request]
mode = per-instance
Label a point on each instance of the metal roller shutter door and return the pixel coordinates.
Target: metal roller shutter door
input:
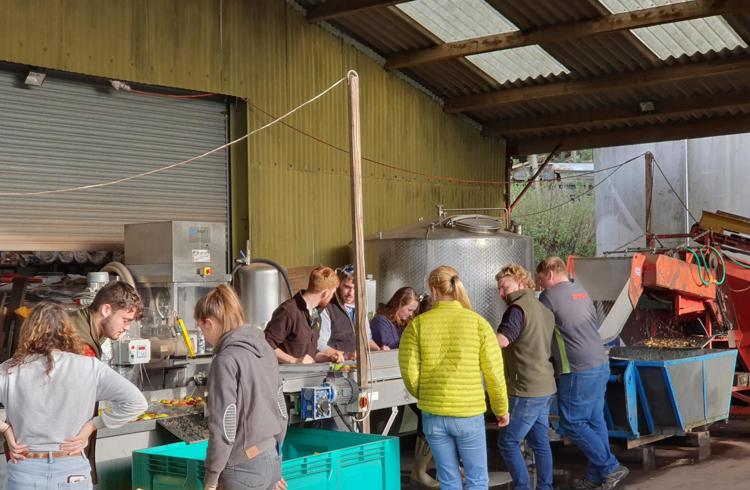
(70, 133)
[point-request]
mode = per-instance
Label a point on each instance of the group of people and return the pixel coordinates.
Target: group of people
(544, 350)
(51, 386)
(318, 323)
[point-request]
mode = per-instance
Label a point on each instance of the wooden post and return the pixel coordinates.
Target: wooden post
(358, 238)
(649, 199)
(536, 174)
(507, 175)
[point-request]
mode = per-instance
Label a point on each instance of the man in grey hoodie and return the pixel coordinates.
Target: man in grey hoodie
(246, 414)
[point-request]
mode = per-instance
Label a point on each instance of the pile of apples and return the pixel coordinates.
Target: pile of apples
(187, 401)
(152, 415)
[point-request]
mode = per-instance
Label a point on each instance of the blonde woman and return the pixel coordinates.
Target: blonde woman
(246, 419)
(444, 355)
(49, 391)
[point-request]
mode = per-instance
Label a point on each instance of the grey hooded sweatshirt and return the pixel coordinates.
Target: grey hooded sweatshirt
(245, 406)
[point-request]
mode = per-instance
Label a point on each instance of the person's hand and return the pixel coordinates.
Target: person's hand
(503, 420)
(338, 357)
(17, 451)
(77, 444)
(209, 487)
(280, 485)
(307, 360)
(385, 348)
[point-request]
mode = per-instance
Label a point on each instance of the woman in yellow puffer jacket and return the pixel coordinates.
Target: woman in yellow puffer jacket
(444, 355)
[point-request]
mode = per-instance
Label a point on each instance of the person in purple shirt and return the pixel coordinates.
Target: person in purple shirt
(393, 317)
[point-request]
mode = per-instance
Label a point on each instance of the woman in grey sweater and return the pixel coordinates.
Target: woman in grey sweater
(49, 391)
(246, 415)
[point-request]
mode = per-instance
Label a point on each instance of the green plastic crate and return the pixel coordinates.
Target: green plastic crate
(312, 458)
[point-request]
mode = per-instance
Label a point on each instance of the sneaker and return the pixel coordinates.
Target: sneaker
(584, 484)
(611, 480)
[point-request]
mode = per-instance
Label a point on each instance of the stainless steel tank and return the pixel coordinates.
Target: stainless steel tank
(261, 288)
(475, 245)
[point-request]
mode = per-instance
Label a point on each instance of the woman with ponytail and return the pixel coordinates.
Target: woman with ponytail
(445, 354)
(246, 416)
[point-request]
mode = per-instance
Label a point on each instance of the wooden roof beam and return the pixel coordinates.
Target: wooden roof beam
(329, 9)
(665, 14)
(717, 126)
(624, 113)
(639, 79)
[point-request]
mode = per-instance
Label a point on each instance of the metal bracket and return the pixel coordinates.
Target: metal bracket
(391, 419)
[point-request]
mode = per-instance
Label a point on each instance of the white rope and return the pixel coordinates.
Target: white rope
(184, 162)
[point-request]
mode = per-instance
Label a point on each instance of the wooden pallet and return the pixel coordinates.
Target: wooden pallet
(698, 442)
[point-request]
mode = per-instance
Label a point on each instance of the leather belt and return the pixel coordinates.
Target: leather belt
(264, 445)
(52, 455)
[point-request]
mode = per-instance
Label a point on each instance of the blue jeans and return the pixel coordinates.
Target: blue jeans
(451, 438)
(580, 397)
(529, 419)
(260, 473)
(50, 474)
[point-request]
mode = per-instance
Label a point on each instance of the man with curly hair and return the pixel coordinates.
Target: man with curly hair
(525, 334)
(115, 307)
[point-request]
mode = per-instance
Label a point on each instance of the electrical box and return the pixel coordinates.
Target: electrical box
(131, 351)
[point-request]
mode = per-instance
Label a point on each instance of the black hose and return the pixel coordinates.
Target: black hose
(279, 268)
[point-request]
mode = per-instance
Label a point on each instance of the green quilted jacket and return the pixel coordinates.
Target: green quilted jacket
(444, 355)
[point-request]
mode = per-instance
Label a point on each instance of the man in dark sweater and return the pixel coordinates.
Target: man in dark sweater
(295, 325)
(525, 335)
(338, 318)
(583, 368)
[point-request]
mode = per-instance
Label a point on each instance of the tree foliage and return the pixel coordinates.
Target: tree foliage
(567, 230)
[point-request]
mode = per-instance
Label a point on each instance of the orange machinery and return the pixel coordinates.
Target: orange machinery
(686, 297)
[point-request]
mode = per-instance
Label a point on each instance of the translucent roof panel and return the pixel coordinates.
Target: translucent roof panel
(458, 20)
(680, 38)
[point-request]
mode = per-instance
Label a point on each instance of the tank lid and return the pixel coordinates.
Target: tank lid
(475, 223)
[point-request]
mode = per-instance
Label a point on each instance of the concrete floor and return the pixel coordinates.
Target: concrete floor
(677, 468)
(727, 468)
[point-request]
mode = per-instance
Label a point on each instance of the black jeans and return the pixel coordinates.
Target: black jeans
(260, 473)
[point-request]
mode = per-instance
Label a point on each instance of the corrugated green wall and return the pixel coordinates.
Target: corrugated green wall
(265, 51)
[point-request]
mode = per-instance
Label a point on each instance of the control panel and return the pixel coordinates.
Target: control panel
(131, 351)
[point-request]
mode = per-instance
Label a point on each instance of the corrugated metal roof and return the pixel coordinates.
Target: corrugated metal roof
(458, 20)
(393, 29)
(680, 38)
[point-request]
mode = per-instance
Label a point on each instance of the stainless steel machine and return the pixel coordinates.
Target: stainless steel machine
(262, 285)
(475, 245)
(174, 263)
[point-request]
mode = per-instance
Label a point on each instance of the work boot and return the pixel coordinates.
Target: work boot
(611, 480)
(422, 457)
